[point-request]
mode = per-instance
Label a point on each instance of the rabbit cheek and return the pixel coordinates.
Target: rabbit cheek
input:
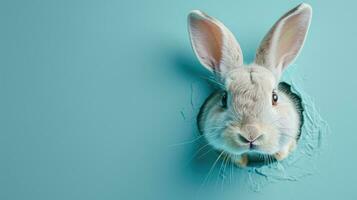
(214, 128)
(270, 142)
(231, 142)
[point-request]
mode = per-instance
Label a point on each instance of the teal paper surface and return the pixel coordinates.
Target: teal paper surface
(98, 100)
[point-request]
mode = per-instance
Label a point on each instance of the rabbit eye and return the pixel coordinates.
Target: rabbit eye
(224, 100)
(274, 98)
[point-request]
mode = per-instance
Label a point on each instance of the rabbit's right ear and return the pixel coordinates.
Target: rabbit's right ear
(214, 45)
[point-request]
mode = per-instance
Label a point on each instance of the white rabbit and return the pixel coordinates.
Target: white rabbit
(252, 113)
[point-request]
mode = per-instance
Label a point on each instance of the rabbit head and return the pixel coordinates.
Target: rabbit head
(250, 113)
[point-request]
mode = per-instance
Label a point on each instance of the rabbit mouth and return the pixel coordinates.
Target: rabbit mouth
(254, 149)
(236, 148)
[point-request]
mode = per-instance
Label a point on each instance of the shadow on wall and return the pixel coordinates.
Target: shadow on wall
(187, 65)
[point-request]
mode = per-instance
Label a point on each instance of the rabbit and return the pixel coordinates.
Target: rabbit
(252, 113)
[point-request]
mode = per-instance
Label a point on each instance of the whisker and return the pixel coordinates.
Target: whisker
(213, 80)
(224, 170)
(231, 172)
(220, 169)
(187, 142)
(197, 152)
(289, 136)
(211, 169)
(206, 153)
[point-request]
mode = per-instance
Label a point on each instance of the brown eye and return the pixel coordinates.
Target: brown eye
(274, 98)
(224, 100)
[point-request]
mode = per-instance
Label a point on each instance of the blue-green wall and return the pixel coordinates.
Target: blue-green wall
(93, 94)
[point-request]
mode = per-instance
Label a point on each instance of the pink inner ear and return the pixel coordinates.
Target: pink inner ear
(207, 42)
(291, 39)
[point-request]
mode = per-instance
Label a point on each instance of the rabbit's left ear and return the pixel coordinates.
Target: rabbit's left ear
(284, 40)
(215, 46)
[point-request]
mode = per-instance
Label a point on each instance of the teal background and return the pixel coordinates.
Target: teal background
(94, 93)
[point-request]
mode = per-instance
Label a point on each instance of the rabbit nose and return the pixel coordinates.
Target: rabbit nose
(243, 138)
(249, 138)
